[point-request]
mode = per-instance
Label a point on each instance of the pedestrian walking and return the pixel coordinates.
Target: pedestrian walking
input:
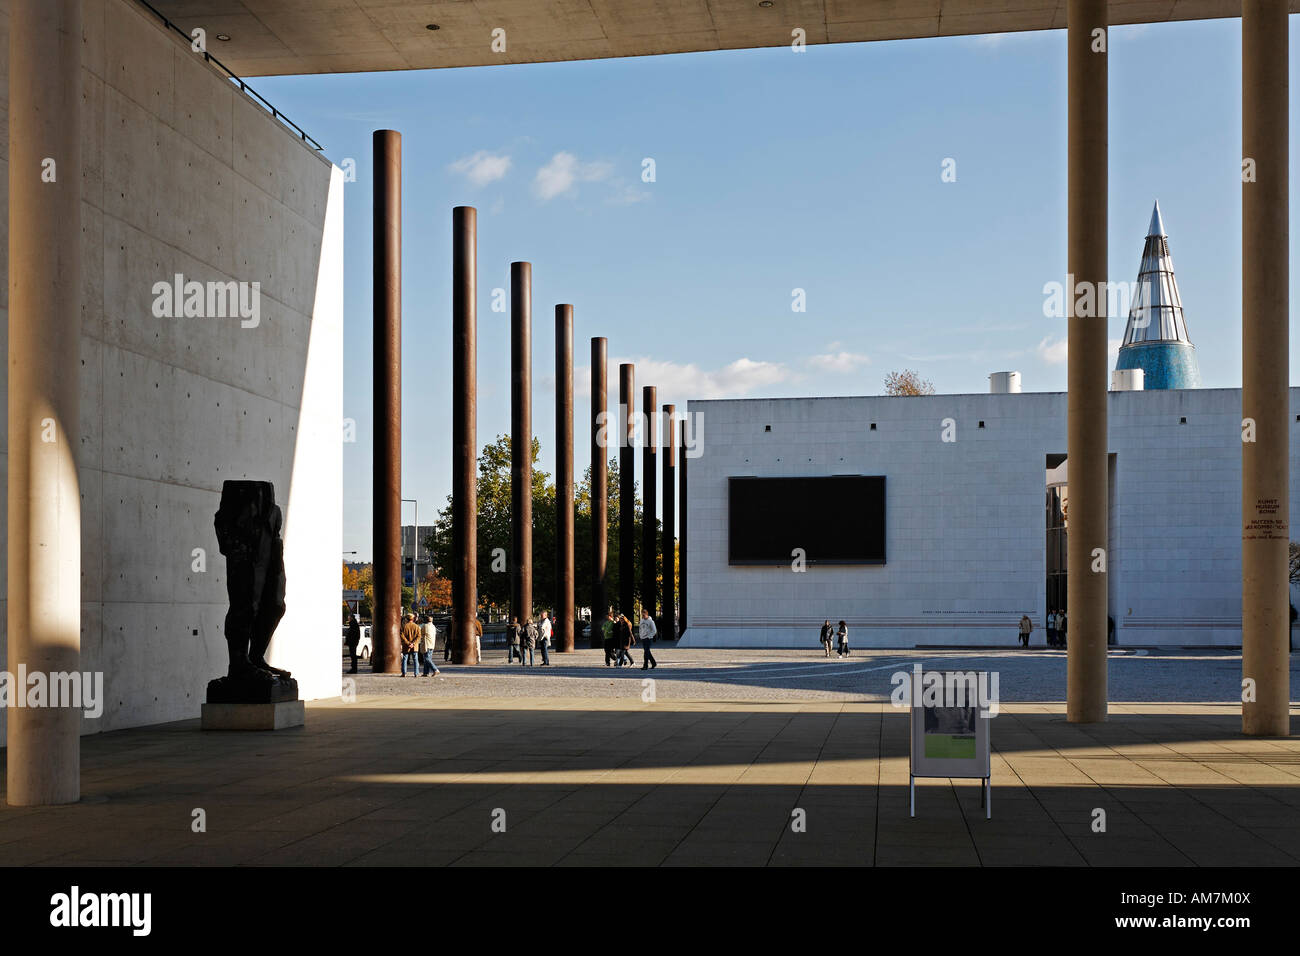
(843, 633)
(354, 638)
(624, 637)
(607, 636)
(410, 637)
(527, 641)
(1061, 630)
(648, 633)
(428, 641)
(1051, 628)
(514, 633)
(544, 642)
(478, 641)
(827, 637)
(1026, 627)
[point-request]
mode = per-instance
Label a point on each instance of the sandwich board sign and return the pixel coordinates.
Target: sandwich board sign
(950, 718)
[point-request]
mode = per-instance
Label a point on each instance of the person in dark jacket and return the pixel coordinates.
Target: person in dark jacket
(527, 641)
(623, 638)
(843, 633)
(354, 638)
(827, 637)
(514, 634)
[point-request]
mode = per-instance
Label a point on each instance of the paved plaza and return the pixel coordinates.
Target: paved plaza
(577, 765)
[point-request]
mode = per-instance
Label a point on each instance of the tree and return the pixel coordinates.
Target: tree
(494, 530)
(437, 591)
(494, 534)
(907, 382)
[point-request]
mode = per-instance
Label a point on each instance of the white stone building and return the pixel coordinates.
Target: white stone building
(966, 519)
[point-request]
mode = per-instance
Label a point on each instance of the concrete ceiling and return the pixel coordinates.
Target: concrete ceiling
(272, 37)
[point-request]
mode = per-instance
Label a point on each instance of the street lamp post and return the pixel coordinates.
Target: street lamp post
(415, 560)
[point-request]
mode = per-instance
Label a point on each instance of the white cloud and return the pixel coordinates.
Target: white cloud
(1058, 352)
(690, 381)
(564, 171)
(678, 383)
(1054, 353)
(838, 362)
(482, 167)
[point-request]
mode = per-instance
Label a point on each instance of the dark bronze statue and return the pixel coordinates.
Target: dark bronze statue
(248, 533)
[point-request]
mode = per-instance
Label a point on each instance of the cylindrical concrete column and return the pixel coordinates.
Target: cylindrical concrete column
(649, 500)
(1087, 376)
(1265, 312)
(44, 582)
(682, 550)
(521, 440)
(387, 409)
(627, 491)
(601, 430)
(563, 623)
(668, 561)
(464, 432)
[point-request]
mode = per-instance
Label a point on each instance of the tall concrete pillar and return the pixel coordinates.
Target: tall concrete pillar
(668, 563)
(1087, 376)
(649, 500)
(601, 430)
(521, 440)
(1265, 308)
(387, 459)
(44, 611)
(563, 478)
(627, 491)
(682, 550)
(464, 432)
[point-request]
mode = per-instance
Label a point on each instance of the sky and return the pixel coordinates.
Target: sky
(774, 171)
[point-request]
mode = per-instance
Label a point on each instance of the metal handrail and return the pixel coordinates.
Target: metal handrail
(244, 87)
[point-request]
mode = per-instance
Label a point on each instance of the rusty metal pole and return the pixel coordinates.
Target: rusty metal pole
(649, 500)
(627, 491)
(1265, 320)
(563, 624)
(600, 432)
(464, 432)
(1086, 400)
(387, 464)
(521, 440)
(682, 550)
(668, 563)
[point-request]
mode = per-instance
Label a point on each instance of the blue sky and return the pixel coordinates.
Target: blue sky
(774, 170)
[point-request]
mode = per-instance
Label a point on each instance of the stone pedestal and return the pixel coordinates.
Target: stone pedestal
(270, 716)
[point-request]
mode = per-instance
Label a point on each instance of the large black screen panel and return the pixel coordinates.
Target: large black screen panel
(835, 520)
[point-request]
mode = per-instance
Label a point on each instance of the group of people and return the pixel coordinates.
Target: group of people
(1057, 631)
(837, 637)
(419, 637)
(526, 637)
(618, 636)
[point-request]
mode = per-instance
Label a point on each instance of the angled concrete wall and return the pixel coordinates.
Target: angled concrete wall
(185, 174)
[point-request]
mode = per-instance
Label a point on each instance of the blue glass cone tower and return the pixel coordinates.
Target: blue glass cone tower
(1155, 339)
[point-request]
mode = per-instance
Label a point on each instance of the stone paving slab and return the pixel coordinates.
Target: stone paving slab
(421, 779)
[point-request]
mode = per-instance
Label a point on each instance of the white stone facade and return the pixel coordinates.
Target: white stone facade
(965, 519)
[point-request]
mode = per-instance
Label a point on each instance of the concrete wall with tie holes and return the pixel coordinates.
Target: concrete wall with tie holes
(184, 174)
(965, 520)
